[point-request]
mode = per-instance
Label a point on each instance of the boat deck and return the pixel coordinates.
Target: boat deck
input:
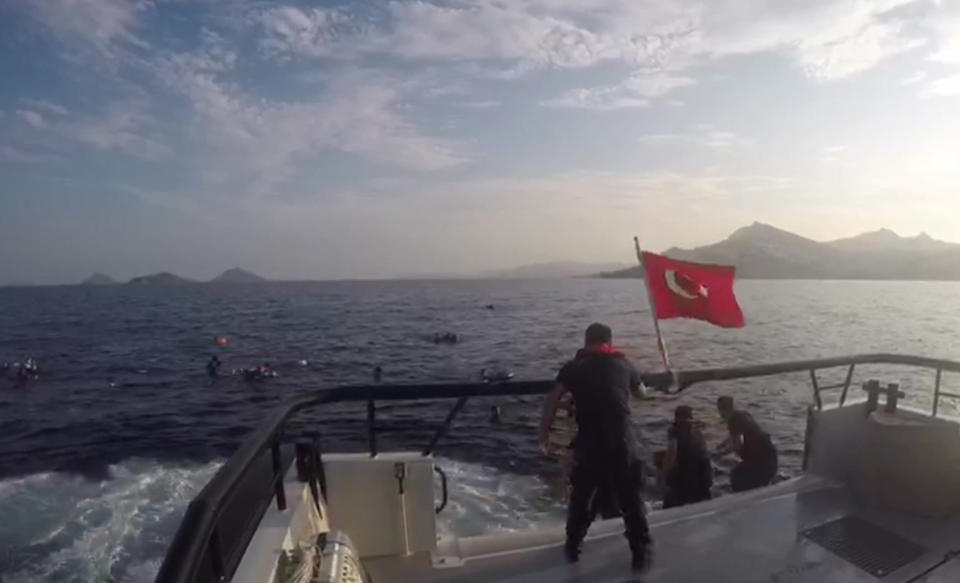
(752, 537)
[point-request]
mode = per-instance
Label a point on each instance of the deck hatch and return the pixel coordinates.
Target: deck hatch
(874, 549)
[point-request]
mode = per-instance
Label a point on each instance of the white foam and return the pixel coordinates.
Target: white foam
(66, 528)
(60, 527)
(484, 500)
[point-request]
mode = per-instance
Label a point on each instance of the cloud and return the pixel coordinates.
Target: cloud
(21, 156)
(948, 86)
(944, 24)
(832, 154)
(32, 118)
(639, 90)
(122, 127)
(704, 136)
(830, 39)
(290, 31)
(481, 104)
(105, 27)
(915, 78)
(47, 106)
(261, 140)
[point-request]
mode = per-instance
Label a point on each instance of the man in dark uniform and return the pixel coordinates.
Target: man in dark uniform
(601, 381)
(758, 465)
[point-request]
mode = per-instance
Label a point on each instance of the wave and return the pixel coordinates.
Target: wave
(65, 528)
(62, 527)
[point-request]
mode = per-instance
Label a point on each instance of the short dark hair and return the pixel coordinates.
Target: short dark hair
(725, 403)
(598, 333)
(683, 412)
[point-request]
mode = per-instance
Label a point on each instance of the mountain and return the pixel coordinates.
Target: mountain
(885, 239)
(99, 279)
(162, 278)
(761, 251)
(553, 270)
(237, 275)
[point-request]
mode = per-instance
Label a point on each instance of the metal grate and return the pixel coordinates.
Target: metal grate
(874, 549)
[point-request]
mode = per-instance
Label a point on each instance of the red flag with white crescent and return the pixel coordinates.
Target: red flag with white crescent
(683, 289)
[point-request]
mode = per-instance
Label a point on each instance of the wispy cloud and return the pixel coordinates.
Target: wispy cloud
(639, 90)
(291, 31)
(122, 127)
(705, 136)
(41, 105)
(104, 27)
(359, 114)
(481, 104)
(833, 153)
(915, 78)
(948, 86)
(32, 118)
(12, 154)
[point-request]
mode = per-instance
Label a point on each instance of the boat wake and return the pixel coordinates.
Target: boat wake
(60, 527)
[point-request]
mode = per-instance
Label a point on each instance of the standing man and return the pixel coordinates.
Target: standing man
(601, 381)
(758, 465)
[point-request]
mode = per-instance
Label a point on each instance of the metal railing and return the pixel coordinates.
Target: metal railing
(196, 554)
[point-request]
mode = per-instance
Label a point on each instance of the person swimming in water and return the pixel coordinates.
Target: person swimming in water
(257, 373)
(213, 366)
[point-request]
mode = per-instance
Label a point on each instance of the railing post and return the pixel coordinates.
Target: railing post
(444, 426)
(372, 427)
(807, 437)
(216, 555)
(278, 475)
(846, 384)
(894, 395)
(936, 392)
(872, 388)
(816, 389)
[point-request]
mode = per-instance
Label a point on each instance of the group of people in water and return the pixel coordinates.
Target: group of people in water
(606, 475)
(23, 372)
(255, 373)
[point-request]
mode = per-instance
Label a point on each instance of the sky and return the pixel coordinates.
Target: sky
(372, 139)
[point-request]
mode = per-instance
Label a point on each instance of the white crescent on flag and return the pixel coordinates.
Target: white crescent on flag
(671, 276)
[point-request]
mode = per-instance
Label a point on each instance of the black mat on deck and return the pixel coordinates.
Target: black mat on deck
(874, 549)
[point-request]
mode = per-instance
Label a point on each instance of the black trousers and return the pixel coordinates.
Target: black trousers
(680, 495)
(754, 471)
(624, 476)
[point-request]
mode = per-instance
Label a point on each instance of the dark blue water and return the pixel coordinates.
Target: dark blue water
(100, 454)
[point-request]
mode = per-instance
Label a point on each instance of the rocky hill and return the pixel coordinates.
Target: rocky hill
(761, 251)
(237, 275)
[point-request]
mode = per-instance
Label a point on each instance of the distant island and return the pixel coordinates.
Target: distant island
(237, 275)
(760, 251)
(162, 278)
(99, 279)
(165, 278)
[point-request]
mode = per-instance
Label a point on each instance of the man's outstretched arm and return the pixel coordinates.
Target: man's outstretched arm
(549, 412)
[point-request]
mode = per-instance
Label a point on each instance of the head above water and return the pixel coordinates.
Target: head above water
(725, 406)
(597, 333)
(683, 414)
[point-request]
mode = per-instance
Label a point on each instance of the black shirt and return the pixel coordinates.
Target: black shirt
(601, 384)
(756, 441)
(692, 469)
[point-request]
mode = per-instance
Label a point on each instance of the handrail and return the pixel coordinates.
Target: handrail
(183, 559)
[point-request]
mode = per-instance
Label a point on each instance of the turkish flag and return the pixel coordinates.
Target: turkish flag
(683, 289)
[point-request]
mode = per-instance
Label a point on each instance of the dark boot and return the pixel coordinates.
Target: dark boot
(571, 551)
(642, 556)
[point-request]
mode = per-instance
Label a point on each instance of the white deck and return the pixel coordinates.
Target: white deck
(736, 539)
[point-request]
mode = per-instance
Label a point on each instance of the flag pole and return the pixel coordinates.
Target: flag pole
(661, 345)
